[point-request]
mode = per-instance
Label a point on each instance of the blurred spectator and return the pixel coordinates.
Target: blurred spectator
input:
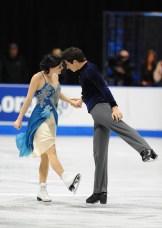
(63, 75)
(57, 51)
(120, 71)
(148, 67)
(14, 67)
(67, 76)
(157, 75)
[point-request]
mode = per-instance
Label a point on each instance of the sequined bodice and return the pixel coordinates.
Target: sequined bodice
(48, 95)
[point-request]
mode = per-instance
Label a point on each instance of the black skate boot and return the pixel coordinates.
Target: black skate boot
(148, 155)
(97, 197)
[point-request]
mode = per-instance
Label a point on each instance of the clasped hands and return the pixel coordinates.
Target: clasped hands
(76, 102)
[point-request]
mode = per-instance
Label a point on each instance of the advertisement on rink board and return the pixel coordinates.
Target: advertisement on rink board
(134, 102)
(12, 97)
(11, 100)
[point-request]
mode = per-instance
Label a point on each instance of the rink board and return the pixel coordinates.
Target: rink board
(140, 107)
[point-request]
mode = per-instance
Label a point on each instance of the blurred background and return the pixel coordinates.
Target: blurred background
(30, 29)
(124, 39)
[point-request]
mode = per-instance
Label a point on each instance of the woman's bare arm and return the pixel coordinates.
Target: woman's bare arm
(31, 91)
(67, 99)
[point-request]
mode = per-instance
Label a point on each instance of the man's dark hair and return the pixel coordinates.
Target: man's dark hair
(73, 53)
(49, 61)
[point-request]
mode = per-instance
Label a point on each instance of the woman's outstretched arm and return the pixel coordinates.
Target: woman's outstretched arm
(73, 102)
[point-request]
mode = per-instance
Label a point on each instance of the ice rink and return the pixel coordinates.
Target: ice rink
(134, 191)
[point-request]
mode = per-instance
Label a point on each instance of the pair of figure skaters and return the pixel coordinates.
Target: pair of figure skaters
(39, 138)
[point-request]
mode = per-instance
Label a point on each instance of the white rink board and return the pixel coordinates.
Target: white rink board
(141, 107)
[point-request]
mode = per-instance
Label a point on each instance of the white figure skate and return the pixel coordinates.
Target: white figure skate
(43, 195)
(71, 181)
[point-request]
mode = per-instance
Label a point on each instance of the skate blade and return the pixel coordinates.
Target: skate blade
(75, 184)
(152, 160)
(47, 201)
(96, 205)
(92, 204)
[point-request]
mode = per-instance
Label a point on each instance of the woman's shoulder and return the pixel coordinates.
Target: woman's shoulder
(37, 77)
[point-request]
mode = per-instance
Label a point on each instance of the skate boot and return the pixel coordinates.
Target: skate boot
(42, 194)
(97, 197)
(148, 155)
(71, 181)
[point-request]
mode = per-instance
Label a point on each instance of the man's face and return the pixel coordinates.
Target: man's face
(71, 66)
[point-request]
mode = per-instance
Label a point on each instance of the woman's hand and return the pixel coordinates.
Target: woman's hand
(18, 124)
(116, 114)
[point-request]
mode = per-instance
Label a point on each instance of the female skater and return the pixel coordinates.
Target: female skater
(39, 138)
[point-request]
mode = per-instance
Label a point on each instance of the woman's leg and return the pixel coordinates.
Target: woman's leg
(71, 180)
(53, 159)
(43, 168)
(43, 173)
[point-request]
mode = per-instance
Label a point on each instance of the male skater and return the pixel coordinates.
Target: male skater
(104, 110)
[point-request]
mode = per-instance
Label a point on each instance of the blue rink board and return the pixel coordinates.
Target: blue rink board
(75, 131)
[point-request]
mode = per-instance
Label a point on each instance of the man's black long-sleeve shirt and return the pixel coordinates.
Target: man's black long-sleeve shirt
(94, 88)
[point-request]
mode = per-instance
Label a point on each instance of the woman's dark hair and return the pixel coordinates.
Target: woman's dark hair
(73, 53)
(49, 61)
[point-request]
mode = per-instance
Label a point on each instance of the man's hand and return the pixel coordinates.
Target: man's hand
(116, 114)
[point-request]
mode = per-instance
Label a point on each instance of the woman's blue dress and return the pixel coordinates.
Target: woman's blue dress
(47, 101)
